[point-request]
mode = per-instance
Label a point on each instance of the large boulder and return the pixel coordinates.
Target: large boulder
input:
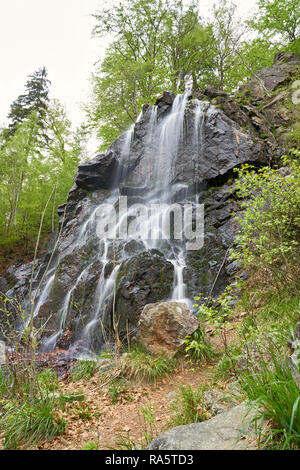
(164, 325)
(230, 430)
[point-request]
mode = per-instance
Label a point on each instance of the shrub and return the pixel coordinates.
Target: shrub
(270, 223)
(197, 347)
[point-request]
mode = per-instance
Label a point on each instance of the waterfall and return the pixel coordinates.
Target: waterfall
(169, 136)
(50, 343)
(105, 293)
(156, 169)
(44, 294)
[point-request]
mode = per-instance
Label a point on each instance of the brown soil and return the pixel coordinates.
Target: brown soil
(109, 424)
(108, 421)
(21, 252)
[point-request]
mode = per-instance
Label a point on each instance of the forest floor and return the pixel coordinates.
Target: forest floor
(131, 416)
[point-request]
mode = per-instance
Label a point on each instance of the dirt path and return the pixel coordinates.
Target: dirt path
(105, 421)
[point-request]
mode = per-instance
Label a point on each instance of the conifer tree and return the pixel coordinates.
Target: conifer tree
(34, 100)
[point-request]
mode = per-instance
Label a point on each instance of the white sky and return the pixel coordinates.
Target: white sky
(56, 34)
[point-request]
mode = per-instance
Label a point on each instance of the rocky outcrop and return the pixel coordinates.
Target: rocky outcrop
(164, 326)
(269, 79)
(230, 430)
(99, 173)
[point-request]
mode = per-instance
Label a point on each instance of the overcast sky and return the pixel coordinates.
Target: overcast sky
(56, 34)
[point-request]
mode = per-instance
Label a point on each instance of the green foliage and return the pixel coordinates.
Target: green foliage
(277, 398)
(157, 44)
(226, 367)
(162, 44)
(91, 446)
(34, 101)
(83, 369)
(197, 347)
(270, 223)
(47, 380)
(39, 155)
(119, 392)
(227, 34)
(278, 17)
(140, 365)
(27, 424)
(251, 56)
(188, 407)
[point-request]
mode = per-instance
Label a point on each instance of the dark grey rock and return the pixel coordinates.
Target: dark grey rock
(98, 173)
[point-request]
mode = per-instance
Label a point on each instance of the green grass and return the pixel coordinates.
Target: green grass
(23, 421)
(26, 425)
(274, 392)
(118, 391)
(48, 380)
(188, 406)
(142, 366)
(83, 370)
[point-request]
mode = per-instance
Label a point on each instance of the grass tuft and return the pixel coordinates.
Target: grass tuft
(142, 366)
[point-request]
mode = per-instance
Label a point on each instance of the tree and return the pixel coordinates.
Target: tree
(278, 18)
(35, 100)
(156, 44)
(251, 57)
(138, 28)
(227, 37)
(30, 171)
(189, 46)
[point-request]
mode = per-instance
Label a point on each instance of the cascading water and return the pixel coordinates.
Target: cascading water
(161, 146)
(50, 343)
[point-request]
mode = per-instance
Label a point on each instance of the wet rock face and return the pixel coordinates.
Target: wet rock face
(98, 173)
(224, 144)
(142, 279)
(144, 276)
(164, 326)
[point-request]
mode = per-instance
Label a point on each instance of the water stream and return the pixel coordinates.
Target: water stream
(161, 145)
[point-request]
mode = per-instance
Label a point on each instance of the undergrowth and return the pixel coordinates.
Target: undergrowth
(188, 407)
(142, 366)
(274, 391)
